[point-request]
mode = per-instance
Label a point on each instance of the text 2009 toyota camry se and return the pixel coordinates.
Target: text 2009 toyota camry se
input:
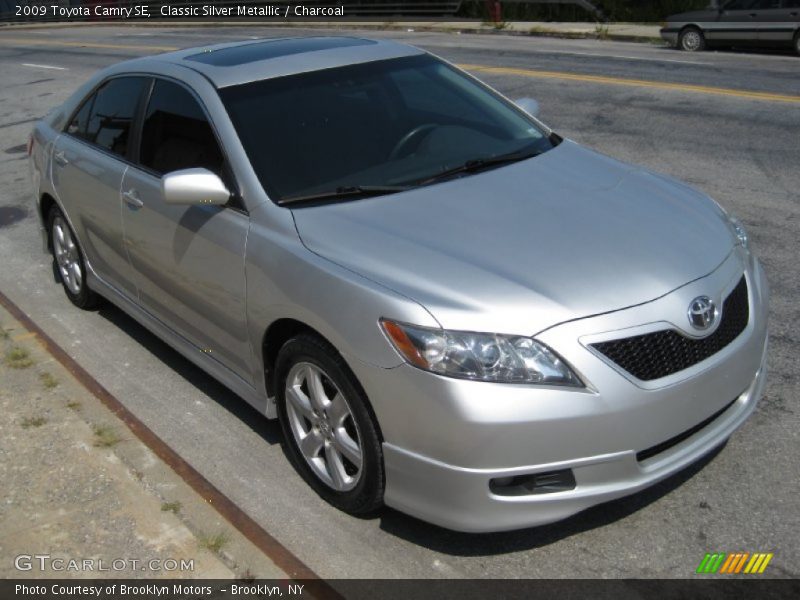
(451, 309)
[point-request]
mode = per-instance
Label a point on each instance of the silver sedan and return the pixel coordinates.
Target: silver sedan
(452, 309)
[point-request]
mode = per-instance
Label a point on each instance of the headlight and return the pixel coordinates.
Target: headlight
(738, 230)
(480, 356)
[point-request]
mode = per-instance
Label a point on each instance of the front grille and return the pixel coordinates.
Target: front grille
(674, 441)
(661, 353)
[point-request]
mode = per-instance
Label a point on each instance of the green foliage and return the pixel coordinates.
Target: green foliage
(648, 10)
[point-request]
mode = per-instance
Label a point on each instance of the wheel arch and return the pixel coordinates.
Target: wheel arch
(281, 331)
(46, 204)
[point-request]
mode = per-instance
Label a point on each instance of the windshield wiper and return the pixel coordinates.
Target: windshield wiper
(348, 191)
(480, 163)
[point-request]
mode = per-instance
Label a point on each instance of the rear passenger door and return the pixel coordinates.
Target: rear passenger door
(188, 260)
(778, 22)
(89, 160)
(737, 23)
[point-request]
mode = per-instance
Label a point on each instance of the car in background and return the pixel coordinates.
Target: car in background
(769, 23)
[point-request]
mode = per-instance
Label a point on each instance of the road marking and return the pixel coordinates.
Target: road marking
(681, 87)
(622, 56)
(35, 66)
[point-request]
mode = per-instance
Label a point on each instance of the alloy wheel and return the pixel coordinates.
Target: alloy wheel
(691, 41)
(67, 255)
(323, 427)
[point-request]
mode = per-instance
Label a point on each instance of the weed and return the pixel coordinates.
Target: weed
(48, 381)
(105, 436)
(18, 358)
(172, 507)
(213, 542)
(29, 422)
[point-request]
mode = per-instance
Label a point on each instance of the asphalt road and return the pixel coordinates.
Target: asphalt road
(740, 149)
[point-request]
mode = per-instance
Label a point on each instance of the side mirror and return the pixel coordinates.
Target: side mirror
(529, 105)
(194, 186)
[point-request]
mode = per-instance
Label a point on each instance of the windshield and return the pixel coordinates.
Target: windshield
(382, 126)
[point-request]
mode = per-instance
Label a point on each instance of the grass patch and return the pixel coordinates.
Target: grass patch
(4, 333)
(105, 436)
(73, 404)
(48, 381)
(213, 543)
(18, 358)
(172, 507)
(29, 422)
(602, 32)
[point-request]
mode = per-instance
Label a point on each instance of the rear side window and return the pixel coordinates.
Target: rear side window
(176, 133)
(106, 117)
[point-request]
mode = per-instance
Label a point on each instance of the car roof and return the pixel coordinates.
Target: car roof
(254, 60)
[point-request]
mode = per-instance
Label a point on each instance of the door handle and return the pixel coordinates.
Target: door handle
(60, 158)
(753, 15)
(793, 14)
(132, 199)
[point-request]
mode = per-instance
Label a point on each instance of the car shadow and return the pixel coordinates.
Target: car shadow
(744, 50)
(488, 544)
(269, 430)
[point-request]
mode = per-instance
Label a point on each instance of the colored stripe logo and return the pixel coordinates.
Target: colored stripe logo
(734, 563)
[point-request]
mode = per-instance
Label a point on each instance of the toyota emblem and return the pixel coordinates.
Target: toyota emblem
(702, 312)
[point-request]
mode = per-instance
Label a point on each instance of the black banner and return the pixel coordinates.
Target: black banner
(358, 589)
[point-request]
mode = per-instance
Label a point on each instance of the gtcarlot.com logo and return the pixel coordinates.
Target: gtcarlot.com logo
(734, 563)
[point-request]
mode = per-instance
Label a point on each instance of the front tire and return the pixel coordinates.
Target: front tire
(691, 39)
(69, 261)
(797, 43)
(329, 432)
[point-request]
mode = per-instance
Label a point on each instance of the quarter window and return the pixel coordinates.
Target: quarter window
(176, 134)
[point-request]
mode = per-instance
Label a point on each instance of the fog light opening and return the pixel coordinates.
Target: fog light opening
(535, 483)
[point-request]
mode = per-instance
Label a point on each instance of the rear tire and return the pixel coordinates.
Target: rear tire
(69, 261)
(797, 43)
(329, 432)
(691, 39)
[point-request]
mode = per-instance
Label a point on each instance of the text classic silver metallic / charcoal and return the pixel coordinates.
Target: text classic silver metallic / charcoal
(451, 309)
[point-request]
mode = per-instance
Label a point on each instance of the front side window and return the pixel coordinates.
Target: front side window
(176, 133)
(396, 122)
(105, 118)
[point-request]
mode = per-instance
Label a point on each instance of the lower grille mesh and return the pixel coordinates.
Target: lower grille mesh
(661, 353)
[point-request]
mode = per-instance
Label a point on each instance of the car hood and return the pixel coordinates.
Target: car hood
(517, 249)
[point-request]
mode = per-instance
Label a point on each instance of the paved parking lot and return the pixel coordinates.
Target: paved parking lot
(726, 122)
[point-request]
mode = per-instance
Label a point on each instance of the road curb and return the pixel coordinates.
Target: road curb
(281, 556)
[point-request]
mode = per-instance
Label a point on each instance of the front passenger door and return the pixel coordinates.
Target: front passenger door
(188, 260)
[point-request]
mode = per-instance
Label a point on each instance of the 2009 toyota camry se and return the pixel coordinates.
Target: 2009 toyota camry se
(450, 308)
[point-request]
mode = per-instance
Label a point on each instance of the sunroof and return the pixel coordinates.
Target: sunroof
(247, 53)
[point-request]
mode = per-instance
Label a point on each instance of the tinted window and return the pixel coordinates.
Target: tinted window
(738, 4)
(78, 125)
(176, 134)
(105, 119)
(385, 123)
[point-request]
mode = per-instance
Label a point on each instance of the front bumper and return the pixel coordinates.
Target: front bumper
(446, 439)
